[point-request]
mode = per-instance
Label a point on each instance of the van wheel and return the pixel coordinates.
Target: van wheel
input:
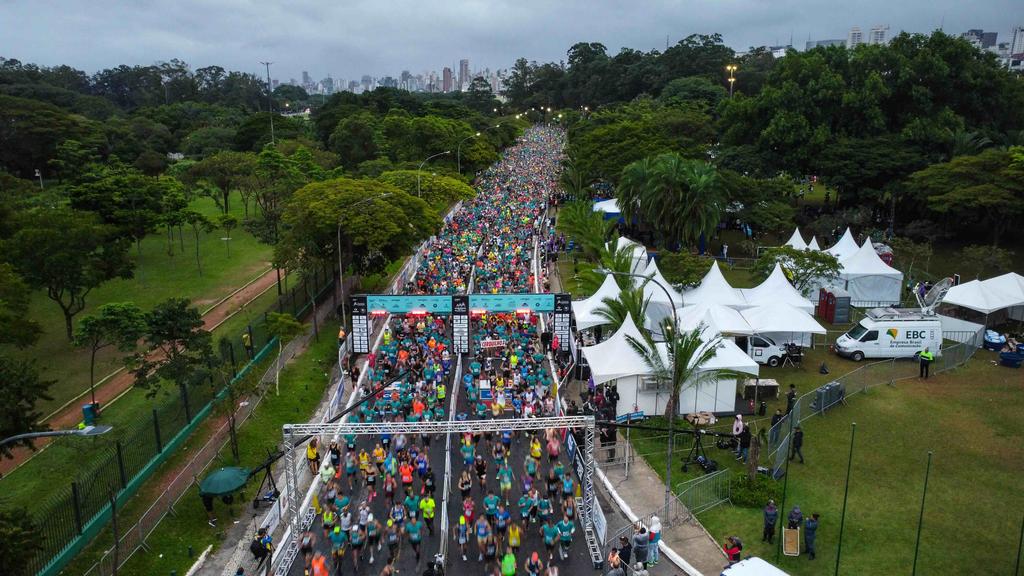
(773, 361)
(857, 356)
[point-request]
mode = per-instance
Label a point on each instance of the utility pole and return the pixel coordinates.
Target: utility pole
(270, 101)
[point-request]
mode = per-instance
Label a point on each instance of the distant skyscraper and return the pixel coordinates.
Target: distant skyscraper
(854, 38)
(980, 38)
(464, 78)
(878, 34)
(1017, 45)
(446, 82)
(328, 84)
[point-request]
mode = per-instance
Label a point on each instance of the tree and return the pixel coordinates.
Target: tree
(802, 267)
(15, 297)
(437, 190)
(118, 324)
(21, 388)
(682, 268)
(355, 139)
(275, 179)
(198, 222)
(227, 171)
(479, 97)
(129, 201)
(907, 253)
(693, 89)
(587, 228)
(631, 303)
(227, 222)
(67, 253)
(19, 539)
(285, 328)
(31, 131)
(179, 348)
(979, 261)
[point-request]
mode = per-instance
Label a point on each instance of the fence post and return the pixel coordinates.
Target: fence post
(120, 464)
(252, 343)
(156, 430)
(76, 502)
(184, 400)
(234, 366)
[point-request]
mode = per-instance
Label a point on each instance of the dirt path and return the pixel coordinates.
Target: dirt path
(111, 389)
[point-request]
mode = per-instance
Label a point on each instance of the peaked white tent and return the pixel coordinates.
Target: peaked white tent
(586, 310)
(868, 279)
(720, 319)
(719, 395)
(638, 254)
(988, 296)
(607, 206)
(615, 357)
(782, 323)
(659, 304)
(714, 289)
(845, 248)
(813, 244)
(796, 241)
(776, 289)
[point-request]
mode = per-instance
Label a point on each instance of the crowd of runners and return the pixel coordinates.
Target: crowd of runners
(516, 513)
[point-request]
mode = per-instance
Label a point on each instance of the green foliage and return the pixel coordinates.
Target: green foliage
(207, 141)
(356, 140)
(21, 388)
(117, 324)
(802, 267)
(15, 297)
(630, 303)
(984, 261)
(682, 268)
(775, 217)
(31, 131)
(754, 494)
(184, 353)
(222, 173)
(130, 202)
(254, 133)
(437, 190)
(19, 539)
(907, 254)
(587, 228)
(693, 89)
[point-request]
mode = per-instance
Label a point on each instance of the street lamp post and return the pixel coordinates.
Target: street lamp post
(87, 431)
(675, 323)
(428, 159)
(341, 273)
(731, 68)
(459, 149)
(270, 101)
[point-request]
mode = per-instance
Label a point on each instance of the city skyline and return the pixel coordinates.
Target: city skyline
(343, 42)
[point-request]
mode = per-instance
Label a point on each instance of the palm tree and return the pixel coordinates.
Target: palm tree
(575, 179)
(631, 302)
(683, 366)
(633, 185)
(587, 228)
(610, 257)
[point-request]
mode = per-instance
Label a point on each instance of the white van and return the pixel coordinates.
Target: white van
(762, 349)
(753, 566)
(891, 333)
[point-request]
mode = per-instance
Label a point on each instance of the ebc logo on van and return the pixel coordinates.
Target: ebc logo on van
(892, 332)
(916, 334)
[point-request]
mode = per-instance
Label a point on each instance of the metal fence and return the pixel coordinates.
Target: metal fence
(78, 511)
(705, 492)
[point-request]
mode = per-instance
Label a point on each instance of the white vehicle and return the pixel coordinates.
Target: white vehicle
(753, 566)
(891, 333)
(762, 349)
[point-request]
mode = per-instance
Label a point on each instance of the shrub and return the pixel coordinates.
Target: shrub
(754, 494)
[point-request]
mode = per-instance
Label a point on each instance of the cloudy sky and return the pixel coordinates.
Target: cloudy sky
(347, 38)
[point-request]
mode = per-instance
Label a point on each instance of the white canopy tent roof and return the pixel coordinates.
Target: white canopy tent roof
(796, 241)
(586, 310)
(776, 289)
(781, 317)
(868, 278)
(987, 296)
(615, 357)
(813, 244)
(728, 356)
(721, 319)
(639, 254)
(714, 289)
(845, 248)
(607, 206)
(659, 304)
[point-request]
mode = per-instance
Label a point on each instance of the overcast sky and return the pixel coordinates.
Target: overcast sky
(348, 38)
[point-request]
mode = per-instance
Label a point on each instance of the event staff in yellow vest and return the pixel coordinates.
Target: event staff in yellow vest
(926, 359)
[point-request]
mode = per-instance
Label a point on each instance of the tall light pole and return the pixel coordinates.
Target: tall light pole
(39, 174)
(87, 431)
(341, 271)
(731, 68)
(459, 149)
(428, 159)
(270, 101)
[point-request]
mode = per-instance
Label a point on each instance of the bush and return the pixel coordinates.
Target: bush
(754, 494)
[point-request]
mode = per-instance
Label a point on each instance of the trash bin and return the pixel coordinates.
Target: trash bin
(90, 412)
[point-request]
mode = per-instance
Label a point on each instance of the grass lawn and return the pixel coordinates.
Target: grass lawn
(969, 418)
(157, 277)
(303, 382)
(570, 281)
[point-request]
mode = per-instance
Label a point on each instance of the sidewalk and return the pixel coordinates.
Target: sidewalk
(644, 492)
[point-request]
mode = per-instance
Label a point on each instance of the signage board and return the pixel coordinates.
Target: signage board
(460, 323)
(360, 336)
(405, 303)
(512, 302)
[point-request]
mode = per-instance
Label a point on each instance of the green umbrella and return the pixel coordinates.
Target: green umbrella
(224, 481)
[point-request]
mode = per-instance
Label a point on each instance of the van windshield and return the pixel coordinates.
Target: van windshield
(856, 332)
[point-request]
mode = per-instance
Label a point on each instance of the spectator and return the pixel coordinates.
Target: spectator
(744, 444)
(732, 550)
(774, 434)
(640, 542)
(798, 444)
(790, 398)
(653, 554)
(625, 550)
(796, 517)
(771, 517)
(810, 533)
(640, 570)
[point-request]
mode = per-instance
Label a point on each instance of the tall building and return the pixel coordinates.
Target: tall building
(854, 38)
(446, 82)
(878, 34)
(1017, 45)
(328, 84)
(980, 38)
(464, 78)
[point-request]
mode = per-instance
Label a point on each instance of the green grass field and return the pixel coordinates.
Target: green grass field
(968, 417)
(157, 277)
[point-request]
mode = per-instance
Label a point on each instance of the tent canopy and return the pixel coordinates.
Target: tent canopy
(813, 244)
(987, 296)
(728, 356)
(721, 319)
(714, 289)
(776, 288)
(845, 248)
(781, 317)
(868, 278)
(615, 357)
(224, 481)
(639, 253)
(796, 241)
(607, 206)
(586, 310)
(653, 291)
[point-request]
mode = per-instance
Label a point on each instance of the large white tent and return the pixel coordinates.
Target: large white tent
(988, 296)
(776, 289)
(813, 244)
(714, 289)
(659, 304)
(782, 323)
(586, 310)
(868, 279)
(616, 358)
(845, 248)
(637, 252)
(607, 206)
(719, 318)
(796, 241)
(717, 396)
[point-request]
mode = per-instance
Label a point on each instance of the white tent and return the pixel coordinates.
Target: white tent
(607, 206)
(776, 289)
(586, 310)
(813, 244)
(721, 319)
(796, 241)
(659, 304)
(639, 253)
(714, 289)
(988, 296)
(870, 281)
(782, 323)
(720, 395)
(615, 357)
(845, 248)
